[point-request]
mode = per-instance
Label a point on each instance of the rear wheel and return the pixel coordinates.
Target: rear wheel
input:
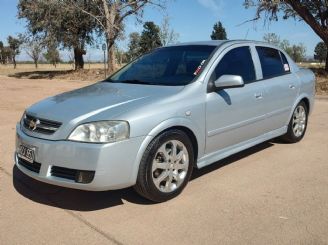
(165, 167)
(298, 124)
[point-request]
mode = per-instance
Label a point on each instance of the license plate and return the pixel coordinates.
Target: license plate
(26, 153)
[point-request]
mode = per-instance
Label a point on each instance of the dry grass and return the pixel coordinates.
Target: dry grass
(9, 69)
(311, 65)
(321, 86)
(92, 72)
(321, 76)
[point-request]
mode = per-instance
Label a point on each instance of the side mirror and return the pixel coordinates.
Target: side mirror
(229, 81)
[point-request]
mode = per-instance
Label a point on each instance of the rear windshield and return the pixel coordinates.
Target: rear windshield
(171, 66)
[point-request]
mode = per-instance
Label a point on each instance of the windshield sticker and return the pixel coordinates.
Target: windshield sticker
(286, 67)
(199, 68)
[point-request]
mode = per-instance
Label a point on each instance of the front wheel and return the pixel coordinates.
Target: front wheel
(298, 124)
(166, 166)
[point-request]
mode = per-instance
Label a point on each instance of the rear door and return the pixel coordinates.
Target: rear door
(281, 86)
(234, 115)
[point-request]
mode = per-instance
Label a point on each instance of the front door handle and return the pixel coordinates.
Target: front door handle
(291, 86)
(258, 96)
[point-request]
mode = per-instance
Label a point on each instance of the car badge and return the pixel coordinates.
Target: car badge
(33, 124)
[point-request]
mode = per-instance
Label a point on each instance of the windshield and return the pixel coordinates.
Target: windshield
(171, 66)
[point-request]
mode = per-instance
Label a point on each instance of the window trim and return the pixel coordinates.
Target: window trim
(281, 53)
(221, 56)
(281, 60)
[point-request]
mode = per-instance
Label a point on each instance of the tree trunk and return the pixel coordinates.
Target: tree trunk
(307, 16)
(326, 67)
(14, 60)
(305, 13)
(78, 57)
(36, 64)
(111, 59)
(109, 32)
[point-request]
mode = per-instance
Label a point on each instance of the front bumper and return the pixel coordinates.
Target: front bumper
(114, 163)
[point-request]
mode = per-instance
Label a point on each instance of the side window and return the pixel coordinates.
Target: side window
(285, 62)
(237, 61)
(271, 62)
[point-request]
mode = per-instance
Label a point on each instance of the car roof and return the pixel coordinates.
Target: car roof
(218, 42)
(205, 43)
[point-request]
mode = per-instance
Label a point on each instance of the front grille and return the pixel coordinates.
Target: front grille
(65, 173)
(34, 167)
(39, 125)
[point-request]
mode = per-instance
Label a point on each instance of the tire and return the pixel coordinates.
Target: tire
(162, 174)
(298, 121)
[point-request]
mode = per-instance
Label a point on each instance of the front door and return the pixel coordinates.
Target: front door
(235, 115)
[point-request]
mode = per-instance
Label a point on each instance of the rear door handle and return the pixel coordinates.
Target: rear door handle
(258, 96)
(291, 86)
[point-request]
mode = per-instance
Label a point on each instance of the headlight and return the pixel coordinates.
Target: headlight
(101, 132)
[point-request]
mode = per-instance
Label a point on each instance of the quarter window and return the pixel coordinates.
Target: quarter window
(272, 62)
(285, 62)
(237, 61)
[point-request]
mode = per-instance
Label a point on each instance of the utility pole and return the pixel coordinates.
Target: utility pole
(104, 49)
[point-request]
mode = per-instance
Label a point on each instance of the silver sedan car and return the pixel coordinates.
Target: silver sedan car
(176, 108)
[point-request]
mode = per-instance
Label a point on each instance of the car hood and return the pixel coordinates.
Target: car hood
(100, 101)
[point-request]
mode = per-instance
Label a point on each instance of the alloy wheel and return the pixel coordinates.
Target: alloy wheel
(170, 166)
(299, 121)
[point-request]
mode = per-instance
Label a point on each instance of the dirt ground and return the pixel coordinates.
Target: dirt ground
(273, 193)
(91, 72)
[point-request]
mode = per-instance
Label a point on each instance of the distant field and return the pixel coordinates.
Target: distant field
(311, 65)
(9, 69)
(91, 72)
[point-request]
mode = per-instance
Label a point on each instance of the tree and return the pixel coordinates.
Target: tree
(120, 56)
(52, 55)
(1, 52)
(110, 16)
(166, 33)
(297, 52)
(54, 22)
(314, 13)
(33, 48)
(272, 38)
(150, 38)
(285, 45)
(219, 32)
(71, 58)
(133, 46)
(6, 54)
(320, 52)
(14, 46)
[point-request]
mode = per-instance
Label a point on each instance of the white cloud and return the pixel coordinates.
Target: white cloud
(213, 5)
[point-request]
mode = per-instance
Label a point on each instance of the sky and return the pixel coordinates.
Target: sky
(192, 19)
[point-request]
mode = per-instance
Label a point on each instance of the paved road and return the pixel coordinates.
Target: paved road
(273, 193)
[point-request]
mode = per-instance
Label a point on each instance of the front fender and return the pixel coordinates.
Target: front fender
(164, 125)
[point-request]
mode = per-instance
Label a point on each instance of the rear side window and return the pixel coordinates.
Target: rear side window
(271, 62)
(285, 62)
(237, 61)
